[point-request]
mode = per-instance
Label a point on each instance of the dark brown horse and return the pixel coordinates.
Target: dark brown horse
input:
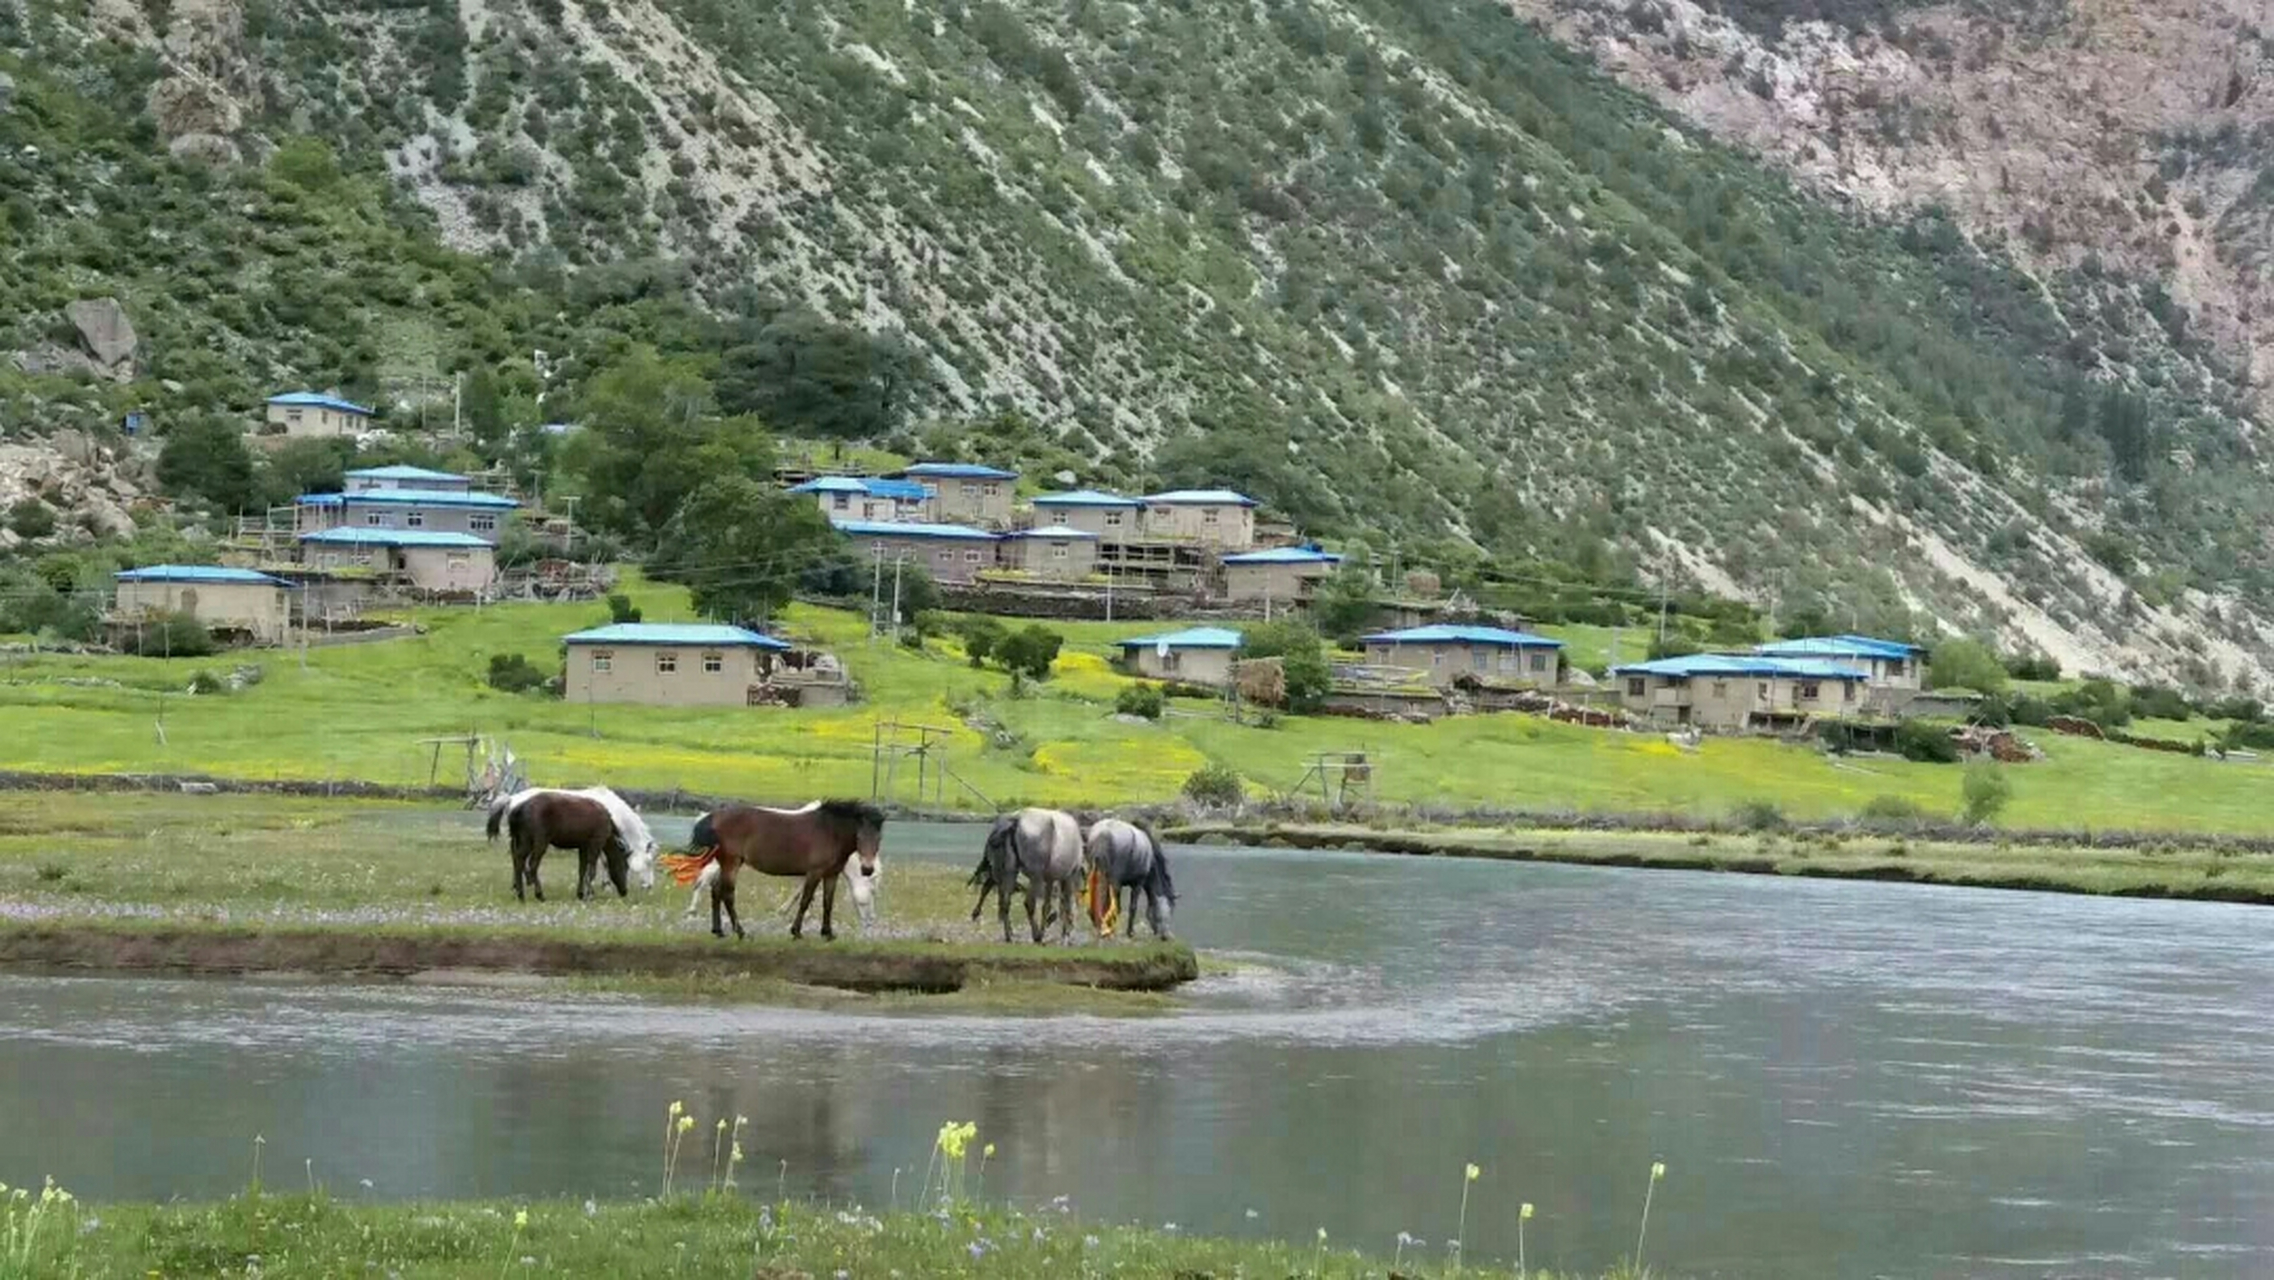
(816, 842)
(560, 820)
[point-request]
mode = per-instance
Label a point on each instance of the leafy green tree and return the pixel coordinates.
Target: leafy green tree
(919, 596)
(1140, 699)
(1343, 602)
(1302, 658)
(1029, 651)
(1960, 663)
(306, 466)
(481, 404)
(650, 439)
(808, 376)
(980, 636)
(205, 457)
(1673, 644)
(1984, 793)
(740, 546)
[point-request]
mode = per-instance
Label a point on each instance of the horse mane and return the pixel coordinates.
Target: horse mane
(859, 814)
(1159, 882)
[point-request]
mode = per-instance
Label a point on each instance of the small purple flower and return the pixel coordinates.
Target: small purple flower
(978, 1249)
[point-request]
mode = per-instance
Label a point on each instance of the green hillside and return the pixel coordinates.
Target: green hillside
(1407, 270)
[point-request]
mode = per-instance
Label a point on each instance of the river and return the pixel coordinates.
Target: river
(1843, 1079)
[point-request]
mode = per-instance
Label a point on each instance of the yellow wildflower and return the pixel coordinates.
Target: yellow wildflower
(1474, 1173)
(1526, 1212)
(520, 1219)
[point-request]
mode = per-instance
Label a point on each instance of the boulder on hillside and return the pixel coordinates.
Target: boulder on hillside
(106, 333)
(7, 91)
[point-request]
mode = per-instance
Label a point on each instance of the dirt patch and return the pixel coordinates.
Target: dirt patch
(167, 948)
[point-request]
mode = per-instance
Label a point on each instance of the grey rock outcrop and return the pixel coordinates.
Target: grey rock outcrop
(106, 333)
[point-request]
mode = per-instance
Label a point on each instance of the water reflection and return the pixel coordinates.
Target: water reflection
(1845, 1080)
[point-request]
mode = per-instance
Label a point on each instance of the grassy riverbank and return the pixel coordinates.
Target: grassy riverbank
(239, 884)
(358, 712)
(310, 1236)
(2193, 870)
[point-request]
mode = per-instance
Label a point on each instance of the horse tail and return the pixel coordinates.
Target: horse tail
(497, 816)
(705, 834)
(998, 837)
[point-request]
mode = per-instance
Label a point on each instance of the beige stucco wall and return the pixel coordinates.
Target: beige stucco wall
(1217, 524)
(861, 506)
(1110, 524)
(300, 420)
(637, 673)
(265, 611)
(1277, 581)
(447, 568)
(961, 500)
(1731, 702)
(1190, 666)
(948, 559)
(1443, 663)
(483, 524)
(1055, 559)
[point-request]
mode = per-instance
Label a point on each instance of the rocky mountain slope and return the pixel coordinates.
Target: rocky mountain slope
(1407, 269)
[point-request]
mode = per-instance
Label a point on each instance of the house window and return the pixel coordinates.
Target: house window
(1539, 662)
(603, 662)
(1437, 657)
(457, 559)
(1721, 688)
(415, 520)
(1208, 515)
(990, 489)
(376, 519)
(1847, 690)
(666, 663)
(1808, 691)
(1509, 659)
(1112, 519)
(1638, 686)
(1761, 690)
(1171, 660)
(1895, 668)
(482, 524)
(1057, 551)
(713, 664)
(971, 557)
(841, 501)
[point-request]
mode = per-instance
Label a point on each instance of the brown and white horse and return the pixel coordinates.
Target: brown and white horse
(817, 842)
(560, 820)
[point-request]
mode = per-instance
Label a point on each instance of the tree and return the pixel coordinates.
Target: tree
(205, 457)
(980, 635)
(1672, 645)
(621, 609)
(1140, 699)
(307, 466)
(1960, 663)
(1029, 651)
(1984, 793)
(1302, 660)
(740, 545)
(482, 407)
(806, 375)
(1343, 602)
(650, 438)
(919, 596)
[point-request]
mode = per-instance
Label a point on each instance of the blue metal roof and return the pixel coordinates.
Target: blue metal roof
(318, 400)
(694, 635)
(355, 536)
(1052, 531)
(911, 529)
(958, 471)
(199, 573)
(1189, 638)
(1448, 633)
(901, 490)
(1739, 664)
(1285, 555)
(1085, 498)
(1201, 497)
(409, 498)
(1839, 646)
(402, 471)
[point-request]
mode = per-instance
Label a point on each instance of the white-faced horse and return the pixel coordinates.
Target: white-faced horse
(630, 827)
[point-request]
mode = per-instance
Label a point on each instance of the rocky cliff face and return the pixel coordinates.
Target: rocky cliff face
(2136, 134)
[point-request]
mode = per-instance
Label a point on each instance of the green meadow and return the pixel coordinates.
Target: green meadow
(359, 712)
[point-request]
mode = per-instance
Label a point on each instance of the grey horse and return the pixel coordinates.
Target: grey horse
(1129, 859)
(1046, 845)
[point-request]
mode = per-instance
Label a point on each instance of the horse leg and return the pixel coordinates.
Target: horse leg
(724, 890)
(804, 900)
(514, 848)
(1003, 890)
(536, 855)
(981, 905)
(1033, 885)
(584, 861)
(1066, 910)
(718, 903)
(828, 908)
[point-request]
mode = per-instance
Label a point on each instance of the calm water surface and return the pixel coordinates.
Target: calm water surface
(1843, 1079)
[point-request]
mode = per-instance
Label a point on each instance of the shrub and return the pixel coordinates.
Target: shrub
(980, 637)
(621, 609)
(31, 518)
(1214, 784)
(1965, 664)
(207, 682)
(2153, 702)
(2100, 701)
(1302, 660)
(2033, 666)
(1029, 651)
(1925, 743)
(1140, 700)
(1759, 815)
(168, 635)
(515, 673)
(1984, 793)
(1893, 811)
(1672, 645)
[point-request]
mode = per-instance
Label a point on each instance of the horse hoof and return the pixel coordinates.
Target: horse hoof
(828, 935)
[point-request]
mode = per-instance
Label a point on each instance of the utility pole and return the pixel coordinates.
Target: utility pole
(457, 402)
(1663, 591)
(897, 561)
(1109, 597)
(876, 589)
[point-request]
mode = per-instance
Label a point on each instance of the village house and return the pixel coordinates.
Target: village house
(456, 563)
(232, 601)
(1280, 573)
(953, 553)
(432, 510)
(368, 479)
(1056, 554)
(1887, 664)
(965, 491)
(1111, 517)
(1739, 691)
(313, 415)
(668, 664)
(1444, 652)
(1196, 655)
(1215, 517)
(867, 498)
